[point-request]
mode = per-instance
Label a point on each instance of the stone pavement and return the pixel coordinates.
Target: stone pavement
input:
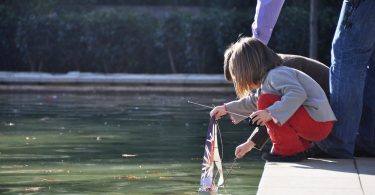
(319, 176)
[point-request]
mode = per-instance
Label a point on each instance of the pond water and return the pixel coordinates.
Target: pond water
(114, 144)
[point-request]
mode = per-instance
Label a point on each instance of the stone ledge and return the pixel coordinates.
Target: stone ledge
(92, 82)
(77, 77)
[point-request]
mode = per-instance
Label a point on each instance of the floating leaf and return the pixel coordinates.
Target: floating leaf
(132, 177)
(152, 172)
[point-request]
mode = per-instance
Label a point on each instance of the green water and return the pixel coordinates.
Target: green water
(114, 144)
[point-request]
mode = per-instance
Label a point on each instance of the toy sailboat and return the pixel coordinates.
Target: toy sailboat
(211, 158)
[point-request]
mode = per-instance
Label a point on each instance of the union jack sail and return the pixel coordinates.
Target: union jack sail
(211, 158)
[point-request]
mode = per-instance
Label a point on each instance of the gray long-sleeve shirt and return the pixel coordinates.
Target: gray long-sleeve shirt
(295, 88)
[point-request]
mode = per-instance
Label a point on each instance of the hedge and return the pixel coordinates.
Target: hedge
(114, 41)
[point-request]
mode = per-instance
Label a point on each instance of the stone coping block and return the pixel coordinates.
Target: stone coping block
(78, 77)
(319, 176)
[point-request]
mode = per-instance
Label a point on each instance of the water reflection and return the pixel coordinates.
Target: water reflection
(113, 144)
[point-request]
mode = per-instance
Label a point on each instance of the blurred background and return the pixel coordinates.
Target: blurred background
(150, 36)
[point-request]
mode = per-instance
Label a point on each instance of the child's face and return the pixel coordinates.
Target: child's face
(253, 86)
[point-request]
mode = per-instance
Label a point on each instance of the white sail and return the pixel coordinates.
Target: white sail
(211, 157)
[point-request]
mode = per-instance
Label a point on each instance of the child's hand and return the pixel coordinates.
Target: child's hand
(244, 148)
(261, 117)
(218, 112)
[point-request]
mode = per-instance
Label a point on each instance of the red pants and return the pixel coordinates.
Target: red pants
(297, 133)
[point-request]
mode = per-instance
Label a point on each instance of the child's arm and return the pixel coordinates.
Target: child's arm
(218, 112)
(244, 148)
(259, 136)
(261, 117)
(286, 83)
(244, 106)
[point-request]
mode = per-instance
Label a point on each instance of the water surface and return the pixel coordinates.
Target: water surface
(114, 144)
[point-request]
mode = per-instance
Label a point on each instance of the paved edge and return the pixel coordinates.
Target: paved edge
(319, 176)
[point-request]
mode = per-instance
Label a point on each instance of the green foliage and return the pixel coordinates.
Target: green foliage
(291, 33)
(327, 22)
(8, 50)
(95, 42)
(55, 37)
(201, 3)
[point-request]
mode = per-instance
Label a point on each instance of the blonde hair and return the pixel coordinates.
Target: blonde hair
(249, 62)
(227, 54)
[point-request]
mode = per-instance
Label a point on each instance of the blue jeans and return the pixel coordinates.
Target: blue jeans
(352, 81)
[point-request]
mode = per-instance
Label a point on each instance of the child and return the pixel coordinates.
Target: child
(292, 106)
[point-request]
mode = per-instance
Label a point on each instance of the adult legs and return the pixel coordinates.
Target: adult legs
(366, 137)
(352, 47)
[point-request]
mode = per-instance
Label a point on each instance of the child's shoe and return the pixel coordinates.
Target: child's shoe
(316, 152)
(269, 157)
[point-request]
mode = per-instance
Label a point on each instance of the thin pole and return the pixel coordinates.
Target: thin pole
(313, 28)
(213, 107)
